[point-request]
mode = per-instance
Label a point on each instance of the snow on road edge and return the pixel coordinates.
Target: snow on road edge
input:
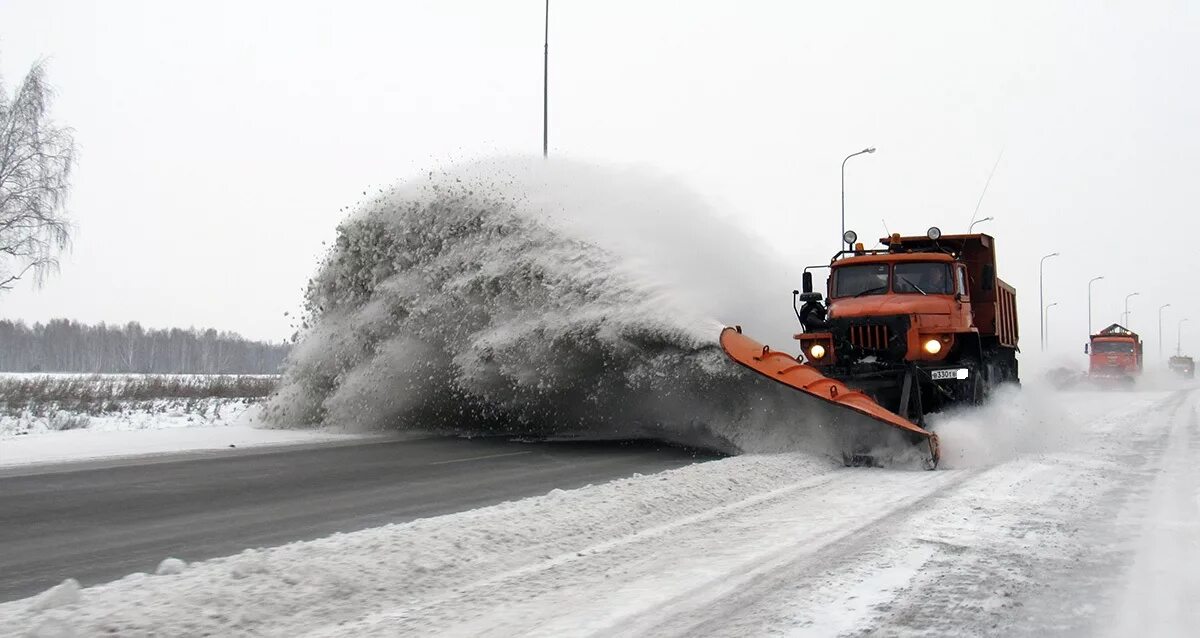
(88, 445)
(344, 577)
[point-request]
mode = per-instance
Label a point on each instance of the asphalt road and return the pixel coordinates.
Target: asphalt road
(97, 522)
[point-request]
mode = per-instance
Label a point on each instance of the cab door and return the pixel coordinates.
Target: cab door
(962, 294)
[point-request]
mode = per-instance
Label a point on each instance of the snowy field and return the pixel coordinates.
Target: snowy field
(157, 414)
(105, 443)
(50, 418)
(1082, 525)
(33, 404)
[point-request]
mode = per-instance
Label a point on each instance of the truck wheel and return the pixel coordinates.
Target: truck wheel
(977, 388)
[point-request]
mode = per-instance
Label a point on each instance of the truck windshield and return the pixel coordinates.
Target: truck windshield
(923, 277)
(1112, 347)
(863, 279)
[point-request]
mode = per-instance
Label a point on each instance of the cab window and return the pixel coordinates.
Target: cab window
(962, 280)
(860, 280)
(928, 278)
(1112, 347)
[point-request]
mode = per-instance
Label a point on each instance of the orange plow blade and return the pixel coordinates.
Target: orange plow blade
(854, 416)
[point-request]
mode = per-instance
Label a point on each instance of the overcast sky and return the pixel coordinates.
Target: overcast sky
(218, 140)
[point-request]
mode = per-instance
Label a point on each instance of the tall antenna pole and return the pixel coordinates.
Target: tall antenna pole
(985, 185)
(546, 87)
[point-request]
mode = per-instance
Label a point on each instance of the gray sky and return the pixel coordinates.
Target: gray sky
(219, 141)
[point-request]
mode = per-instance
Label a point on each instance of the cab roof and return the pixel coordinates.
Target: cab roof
(1115, 332)
(891, 258)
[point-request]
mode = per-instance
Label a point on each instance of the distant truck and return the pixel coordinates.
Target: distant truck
(1114, 353)
(1182, 366)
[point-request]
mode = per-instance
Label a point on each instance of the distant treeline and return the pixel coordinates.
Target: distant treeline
(63, 345)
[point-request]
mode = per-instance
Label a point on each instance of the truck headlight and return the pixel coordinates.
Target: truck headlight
(933, 346)
(817, 351)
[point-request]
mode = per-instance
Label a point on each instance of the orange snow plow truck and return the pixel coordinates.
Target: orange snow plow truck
(910, 329)
(1114, 354)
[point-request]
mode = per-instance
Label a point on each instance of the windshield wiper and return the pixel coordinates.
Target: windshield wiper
(870, 290)
(915, 286)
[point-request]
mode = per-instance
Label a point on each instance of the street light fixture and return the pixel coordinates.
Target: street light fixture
(1160, 309)
(971, 228)
(1042, 296)
(869, 149)
(1093, 280)
(1046, 328)
(1125, 321)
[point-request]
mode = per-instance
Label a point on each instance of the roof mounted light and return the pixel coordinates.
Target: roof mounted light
(850, 237)
(934, 233)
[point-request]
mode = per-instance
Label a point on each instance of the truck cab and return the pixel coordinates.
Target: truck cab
(1182, 366)
(924, 314)
(1114, 353)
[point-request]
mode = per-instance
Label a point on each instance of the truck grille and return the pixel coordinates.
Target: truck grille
(869, 337)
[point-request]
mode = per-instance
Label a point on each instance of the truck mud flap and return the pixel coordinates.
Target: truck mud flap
(865, 432)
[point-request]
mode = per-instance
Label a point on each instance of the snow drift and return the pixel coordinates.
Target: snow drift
(542, 298)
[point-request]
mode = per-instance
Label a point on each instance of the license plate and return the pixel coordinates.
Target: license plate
(941, 375)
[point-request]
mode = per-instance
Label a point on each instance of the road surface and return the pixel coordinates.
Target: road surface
(99, 521)
(1069, 514)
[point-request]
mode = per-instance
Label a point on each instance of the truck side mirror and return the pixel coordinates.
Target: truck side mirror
(806, 282)
(1085, 348)
(989, 277)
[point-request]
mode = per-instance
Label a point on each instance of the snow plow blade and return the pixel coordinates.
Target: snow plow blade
(861, 427)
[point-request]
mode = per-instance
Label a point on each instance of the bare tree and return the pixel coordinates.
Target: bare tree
(35, 166)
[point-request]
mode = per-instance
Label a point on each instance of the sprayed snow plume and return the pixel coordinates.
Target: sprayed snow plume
(540, 298)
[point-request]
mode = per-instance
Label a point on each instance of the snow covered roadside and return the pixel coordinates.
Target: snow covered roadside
(153, 415)
(54, 418)
(741, 546)
(38, 403)
(92, 444)
(290, 589)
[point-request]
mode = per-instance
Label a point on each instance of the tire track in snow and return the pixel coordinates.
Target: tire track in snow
(851, 586)
(1162, 586)
(674, 569)
(847, 553)
(1043, 553)
(997, 525)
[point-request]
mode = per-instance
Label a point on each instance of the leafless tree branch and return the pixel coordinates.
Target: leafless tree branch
(36, 157)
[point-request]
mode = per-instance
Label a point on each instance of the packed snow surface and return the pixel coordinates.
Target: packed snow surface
(1091, 531)
(542, 298)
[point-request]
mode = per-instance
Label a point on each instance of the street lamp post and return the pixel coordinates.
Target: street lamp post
(1042, 296)
(971, 228)
(1160, 309)
(869, 149)
(1125, 320)
(1046, 328)
(1179, 336)
(1093, 280)
(546, 87)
